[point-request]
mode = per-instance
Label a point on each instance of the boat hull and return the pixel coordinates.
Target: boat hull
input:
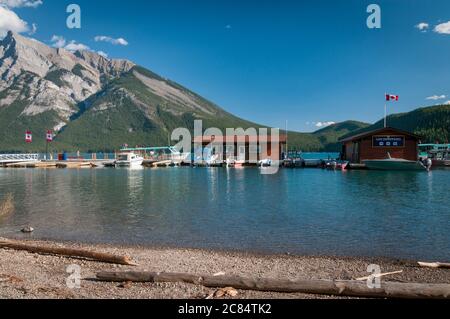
(441, 163)
(129, 163)
(385, 165)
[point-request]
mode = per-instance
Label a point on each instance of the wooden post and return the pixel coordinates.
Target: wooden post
(68, 252)
(434, 265)
(322, 287)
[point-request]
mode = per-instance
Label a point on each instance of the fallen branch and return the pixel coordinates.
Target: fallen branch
(321, 287)
(434, 265)
(379, 275)
(69, 252)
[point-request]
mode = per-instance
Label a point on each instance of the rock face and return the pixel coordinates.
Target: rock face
(91, 102)
(48, 79)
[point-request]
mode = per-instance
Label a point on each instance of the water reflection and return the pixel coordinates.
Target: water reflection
(397, 214)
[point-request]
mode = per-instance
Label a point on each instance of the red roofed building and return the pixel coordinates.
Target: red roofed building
(376, 144)
(250, 149)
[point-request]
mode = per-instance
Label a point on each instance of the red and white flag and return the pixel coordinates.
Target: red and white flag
(49, 136)
(28, 137)
(390, 97)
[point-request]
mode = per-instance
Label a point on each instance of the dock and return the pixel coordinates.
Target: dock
(32, 165)
(33, 161)
(58, 164)
(6, 159)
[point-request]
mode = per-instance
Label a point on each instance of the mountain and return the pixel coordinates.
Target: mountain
(91, 102)
(97, 104)
(431, 123)
(326, 139)
(42, 87)
(329, 136)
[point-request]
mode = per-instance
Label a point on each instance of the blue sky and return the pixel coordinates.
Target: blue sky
(272, 61)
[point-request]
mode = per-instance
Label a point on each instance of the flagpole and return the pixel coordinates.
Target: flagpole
(385, 110)
(287, 140)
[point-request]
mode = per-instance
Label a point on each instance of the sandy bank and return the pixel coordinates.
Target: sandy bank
(27, 275)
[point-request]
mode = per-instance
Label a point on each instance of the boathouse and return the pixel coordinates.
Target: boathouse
(376, 144)
(245, 148)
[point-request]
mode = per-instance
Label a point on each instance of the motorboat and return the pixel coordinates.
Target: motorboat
(129, 159)
(440, 158)
(336, 165)
(396, 164)
(265, 162)
(214, 161)
(235, 163)
(294, 163)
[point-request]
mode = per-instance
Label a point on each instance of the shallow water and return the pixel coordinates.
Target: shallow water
(301, 211)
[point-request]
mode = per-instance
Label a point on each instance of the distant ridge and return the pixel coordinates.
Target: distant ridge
(431, 123)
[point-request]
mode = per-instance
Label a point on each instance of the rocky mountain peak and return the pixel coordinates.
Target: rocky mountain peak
(42, 88)
(110, 67)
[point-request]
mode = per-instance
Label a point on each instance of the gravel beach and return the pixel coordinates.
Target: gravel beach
(28, 275)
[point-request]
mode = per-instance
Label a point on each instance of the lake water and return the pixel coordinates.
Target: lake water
(301, 211)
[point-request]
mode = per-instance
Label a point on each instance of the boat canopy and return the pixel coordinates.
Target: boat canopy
(435, 147)
(167, 149)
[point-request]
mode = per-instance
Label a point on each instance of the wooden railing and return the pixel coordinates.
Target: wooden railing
(16, 158)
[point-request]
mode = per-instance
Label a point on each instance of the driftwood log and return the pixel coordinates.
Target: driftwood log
(434, 265)
(321, 287)
(68, 252)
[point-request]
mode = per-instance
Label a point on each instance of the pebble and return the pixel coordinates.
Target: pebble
(27, 230)
(33, 271)
(126, 285)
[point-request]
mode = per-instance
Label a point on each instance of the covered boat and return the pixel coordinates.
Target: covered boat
(129, 159)
(396, 164)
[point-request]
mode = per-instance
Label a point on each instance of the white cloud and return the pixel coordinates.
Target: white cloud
(60, 42)
(423, 26)
(21, 3)
(228, 26)
(33, 29)
(103, 54)
(321, 124)
(436, 97)
(118, 41)
(447, 103)
(443, 28)
(74, 46)
(324, 124)
(10, 21)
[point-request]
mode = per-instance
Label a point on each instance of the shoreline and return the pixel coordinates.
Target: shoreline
(25, 275)
(228, 251)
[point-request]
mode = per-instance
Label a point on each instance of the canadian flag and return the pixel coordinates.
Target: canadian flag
(28, 137)
(49, 136)
(390, 97)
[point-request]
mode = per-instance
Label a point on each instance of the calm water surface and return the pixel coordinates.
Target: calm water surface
(303, 211)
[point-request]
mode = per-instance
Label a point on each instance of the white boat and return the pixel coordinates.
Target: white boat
(129, 159)
(235, 163)
(265, 162)
(213, 160)
(395, 164)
